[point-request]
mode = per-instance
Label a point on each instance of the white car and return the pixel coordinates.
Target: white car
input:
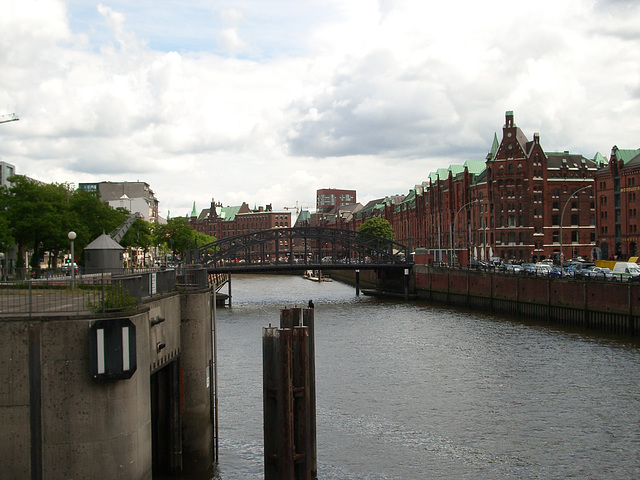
(543, 269)
(513, 268)
(601, 273)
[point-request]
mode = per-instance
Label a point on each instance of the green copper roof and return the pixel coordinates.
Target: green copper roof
(455, 169)
(228, 214)
(193, 211)
(624, 154)
(475, 167)
(494, 147)
(600, 159)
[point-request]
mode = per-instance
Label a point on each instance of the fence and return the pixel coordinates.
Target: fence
(94, 293)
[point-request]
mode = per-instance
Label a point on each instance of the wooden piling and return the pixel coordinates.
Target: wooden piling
(288, 390)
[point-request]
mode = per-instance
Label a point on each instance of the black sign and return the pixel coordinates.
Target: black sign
(112, 349)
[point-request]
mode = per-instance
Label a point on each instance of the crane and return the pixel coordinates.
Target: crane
(297, 208)
(119, 232)
(9, 117)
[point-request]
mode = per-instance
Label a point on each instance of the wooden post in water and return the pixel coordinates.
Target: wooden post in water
(288, 386)
(308, 320)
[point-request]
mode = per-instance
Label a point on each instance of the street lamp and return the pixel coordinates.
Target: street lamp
(72, 237)
(455, 217)
(562, 218)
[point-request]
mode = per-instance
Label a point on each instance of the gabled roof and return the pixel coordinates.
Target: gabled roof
(456, 169)
(623, 154)
(475, 167)
(556, 160)
(600, 159)
(303, 216)
(632, 163)
(371, 206)
(104, 242)
(228, 214)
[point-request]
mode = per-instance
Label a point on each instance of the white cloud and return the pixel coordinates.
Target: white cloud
(267, 101)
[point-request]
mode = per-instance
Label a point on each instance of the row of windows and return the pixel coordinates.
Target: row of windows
(511, 238)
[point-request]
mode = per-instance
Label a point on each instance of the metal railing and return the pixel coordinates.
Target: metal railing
(103, 292)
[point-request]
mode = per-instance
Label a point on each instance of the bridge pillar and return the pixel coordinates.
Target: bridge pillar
(357, 283)
(196, 360)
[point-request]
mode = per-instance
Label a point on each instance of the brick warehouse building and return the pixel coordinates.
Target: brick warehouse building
(223, 222)
(510, 205)
(617, 187)
(520, 203)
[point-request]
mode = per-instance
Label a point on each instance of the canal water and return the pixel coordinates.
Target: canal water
(419, 391)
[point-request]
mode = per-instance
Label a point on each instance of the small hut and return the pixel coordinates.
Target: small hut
(103, 254)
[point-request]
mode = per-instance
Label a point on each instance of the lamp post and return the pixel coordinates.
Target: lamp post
(72, 237)
(562, 218)
(451, 238)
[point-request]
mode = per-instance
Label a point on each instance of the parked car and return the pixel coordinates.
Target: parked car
(578, 269)
(601, 273)
(528, 269)
(542, 269)
(555, 272)
(67, 267)
(513, 268)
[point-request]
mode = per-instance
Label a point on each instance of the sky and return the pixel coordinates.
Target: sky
(267, 101)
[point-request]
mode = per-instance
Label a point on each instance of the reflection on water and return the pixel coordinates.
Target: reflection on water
(413, 391)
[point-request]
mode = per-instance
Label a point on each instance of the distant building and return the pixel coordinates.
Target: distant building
(222, 222)
(519, 203)
(6, 170)
(331, 199)
(133, 196)
(617, 204)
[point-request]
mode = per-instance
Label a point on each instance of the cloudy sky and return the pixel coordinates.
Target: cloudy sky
(266, 101)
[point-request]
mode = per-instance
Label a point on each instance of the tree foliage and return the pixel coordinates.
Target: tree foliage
(140, 235)
(377, 226)
(178, 236)
(38, 217)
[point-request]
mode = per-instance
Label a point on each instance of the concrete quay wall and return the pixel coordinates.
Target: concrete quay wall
(611, 307)
(58, 422)
(604, 306)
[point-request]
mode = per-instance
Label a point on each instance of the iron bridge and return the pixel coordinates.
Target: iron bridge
(302, 248)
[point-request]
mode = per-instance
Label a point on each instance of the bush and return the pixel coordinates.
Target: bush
(116, 298)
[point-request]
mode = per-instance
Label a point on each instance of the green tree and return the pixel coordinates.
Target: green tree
(6, 237)
(176, 235)
(39, 217)
(139, 235)
(204, 239)
(92, 218)
(377, 226)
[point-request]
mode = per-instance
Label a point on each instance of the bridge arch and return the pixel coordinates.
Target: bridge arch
(299, 248)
